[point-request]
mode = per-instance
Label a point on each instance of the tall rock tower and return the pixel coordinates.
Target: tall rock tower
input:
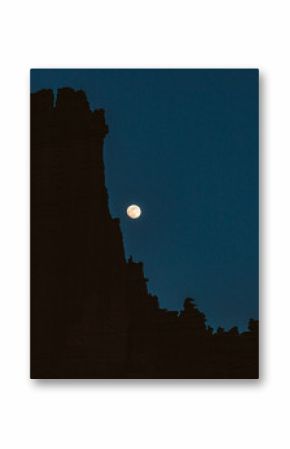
(82, 287)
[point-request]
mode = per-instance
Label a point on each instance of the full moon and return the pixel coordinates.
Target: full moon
(134, 211)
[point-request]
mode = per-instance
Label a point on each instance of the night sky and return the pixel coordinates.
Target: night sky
(183, 145)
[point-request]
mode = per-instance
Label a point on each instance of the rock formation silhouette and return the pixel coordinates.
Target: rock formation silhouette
(91, 313)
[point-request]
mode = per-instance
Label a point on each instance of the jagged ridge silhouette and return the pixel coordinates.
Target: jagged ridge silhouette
(91, 313)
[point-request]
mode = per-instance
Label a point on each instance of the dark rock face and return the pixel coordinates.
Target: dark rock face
(91, 313)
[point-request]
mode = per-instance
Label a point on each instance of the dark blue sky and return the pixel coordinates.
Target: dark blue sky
(183, 144)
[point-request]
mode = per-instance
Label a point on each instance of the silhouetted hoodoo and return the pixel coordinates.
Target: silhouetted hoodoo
(91, 313)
